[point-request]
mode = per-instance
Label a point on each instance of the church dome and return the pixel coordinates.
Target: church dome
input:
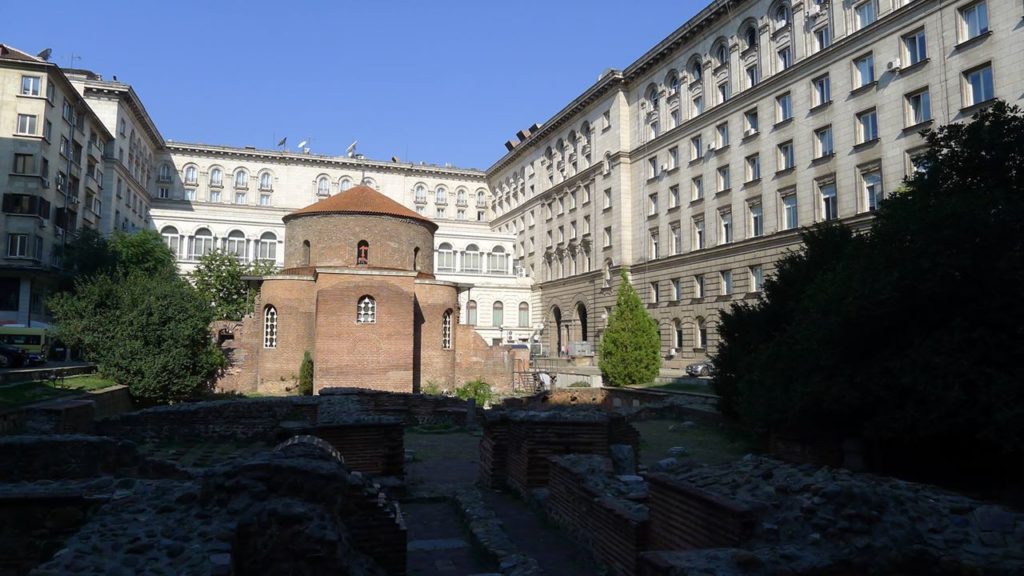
(360, 200)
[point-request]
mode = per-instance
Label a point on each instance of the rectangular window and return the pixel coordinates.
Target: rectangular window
(17, 245)
(673, 196)
(872, 188)
(756, 220)
(823, 142)
(722, 132)
(726, 282)
(978, 85)
(698, 105)
(822, 90)
(586, 224)
(790, 219)
(783, 107)
(919, 108)
(677, 240)
(164, 193)
(214, 195)
(914, 49)
(785, 58)
(31, 85)
(240, 199)
(753, 167)
(787, 159)
(607, 236)
(698, 286)
(673, 158)
(723, 179)
(756, 278)
(265, 201)
(27, 124)
(698, 233)
(652, 167)
(190, 194)
(654, 292)
(864, 14)
(677, 290)
(829, 201)
(48, 130)
(752, 76)
(561, 235)
(723, 92)
(863, 71)
(24, 164)
(572, 230)
(822, 38)
(606, 120)
(973, 21)
(674, 118)
(652, 204)
(750, 121)
(697, 187)
(608, 198)
(867, 126)
(653, 245)
(696, 148)
(725, 227)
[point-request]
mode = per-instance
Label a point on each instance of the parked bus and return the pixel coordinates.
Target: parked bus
(36, 342)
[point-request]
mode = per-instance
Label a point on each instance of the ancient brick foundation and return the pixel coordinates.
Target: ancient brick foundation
(684, 516)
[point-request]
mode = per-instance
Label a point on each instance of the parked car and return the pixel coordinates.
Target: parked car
(12, 356)
(701, 369)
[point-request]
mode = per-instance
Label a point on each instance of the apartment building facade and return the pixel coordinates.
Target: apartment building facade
(695, 167)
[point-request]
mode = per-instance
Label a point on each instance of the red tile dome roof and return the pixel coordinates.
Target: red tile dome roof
(360, 200)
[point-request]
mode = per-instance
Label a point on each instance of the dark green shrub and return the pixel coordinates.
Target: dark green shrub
(306, 375)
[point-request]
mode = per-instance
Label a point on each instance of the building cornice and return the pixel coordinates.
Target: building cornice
(335, 162)
(125, 93)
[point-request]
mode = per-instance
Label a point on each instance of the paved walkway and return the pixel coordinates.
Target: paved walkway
(439, 545)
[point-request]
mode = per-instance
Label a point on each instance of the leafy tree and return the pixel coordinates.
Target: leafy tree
(144, 326)
(907, 336)
(220, 279)
(631, 346)
(306, 375)
(478, 390)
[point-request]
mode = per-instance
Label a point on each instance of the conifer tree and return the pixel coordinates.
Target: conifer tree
(631, 346)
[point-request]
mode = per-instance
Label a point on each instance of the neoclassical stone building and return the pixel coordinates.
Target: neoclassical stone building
(359, 293)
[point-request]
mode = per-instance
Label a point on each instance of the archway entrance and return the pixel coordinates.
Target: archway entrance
(581, 319)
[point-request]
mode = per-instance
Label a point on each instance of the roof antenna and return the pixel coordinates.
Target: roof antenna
(45, 54)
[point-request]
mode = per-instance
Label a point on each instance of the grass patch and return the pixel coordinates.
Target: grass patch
(29, 392)
(705, 443)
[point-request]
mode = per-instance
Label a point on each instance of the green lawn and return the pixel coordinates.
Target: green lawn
(29, 392)
(705, 443)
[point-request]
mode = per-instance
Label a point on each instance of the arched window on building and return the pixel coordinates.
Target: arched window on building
(165, 173)
(370, 182)
(305, 252)
(202, 243)
(652, 96)
(497, 261)
(481, 199)
(191, 175)
(323, 186)
(366, 310)
(471, 312)
(524, 315)
(497, 314)
(696, 70)
(441, 195)
(445, 258)
(270, 327)
(344, 184)
(421, 194)
(781, 16)
(471, 259)
(172, 239)
(363, 252)
(446, 330)
(241, 179)
(722, 54)
(750, 36)
(266, 181)
(216, 177)
(234, 244)
(416, 259)
(460, 197)
(268, 247)
(702, 334)
(677, 335)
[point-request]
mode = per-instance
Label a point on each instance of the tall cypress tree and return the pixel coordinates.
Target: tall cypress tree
(631, 346)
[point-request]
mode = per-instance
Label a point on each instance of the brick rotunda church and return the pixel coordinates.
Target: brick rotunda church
(358, 292)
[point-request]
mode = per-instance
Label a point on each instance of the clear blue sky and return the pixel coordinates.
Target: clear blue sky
(427, 81)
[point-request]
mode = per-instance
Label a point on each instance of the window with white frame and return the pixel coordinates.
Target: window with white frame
(823, 142)
(864, 71)
(446, 330)
(190, 194)
(471, 261)
(202, 243)
(241, 179)
(702, 334)
(607, 237)
(652, 168)
(677, 335)
(723, 178)
(524, 315)
(497, 261)
(216, 177)
(440, 195)
(787, 157)
(783, 107)
(822, 38)
(652, 204)
(31, 85)
(677, 239)
(829, 200)
(726, 282)
(270, 327)
(867, 126)
(171, 239)
(725, 227)
(822, 91)
(973, 21)
(608, 198)
(267, 248)
(345, 183)
(697, 187)
(978, 86)
(26, 124)
(698, 233)
(673, 158)
(366, 310)
(677, 289)
(784, 58)
(756, 219)
(864, 14)
(696, 148)
(698, 286)
(753, 167)
(17, 245)
(914, 48)
(698, 105)
(653, 245)
(919, 108)
(266, 181)
(752, 75)
(445, 258)
(265, 198)
(750, 121)
(497, 314)
(722, 135)
(723, 92)
(654, 292)
(790, 218)
(240, 198)
(234, 244)
(191, 175)
(471, 312)
(756, 275)
(871, 187)
(673, 196)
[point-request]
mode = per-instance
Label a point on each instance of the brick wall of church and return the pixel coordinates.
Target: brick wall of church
(437, 364)
(277, 370)
(333, 239)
